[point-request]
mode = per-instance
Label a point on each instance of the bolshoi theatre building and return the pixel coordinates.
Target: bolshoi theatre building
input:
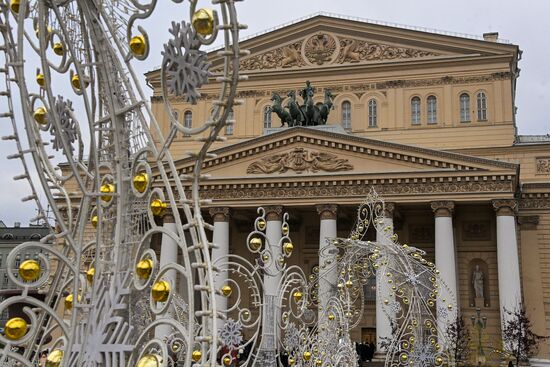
(426, 119)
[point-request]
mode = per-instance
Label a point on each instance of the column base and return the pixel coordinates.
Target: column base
(379, 356)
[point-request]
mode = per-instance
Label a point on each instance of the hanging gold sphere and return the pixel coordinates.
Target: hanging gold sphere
(150, 360)
(318, 362)
(39, 115)
(197, 354)
(94, 221)
(265, 257)
(226, 360)
(291, 361)
(29, 270)
(14, 6)
(90, 275)
(75, 81)
(331, 317)
(15, 328)
(349, 284)
(157, 207)
(226, 290)
(287, 248)
(255, 243)
(140, 182)
(69, 300)
(58, 49)
(144, 268)
(307, 355)
(261, 224)
(285, 229)
(107, 189)
(138, 45)
(203, 22)
(54, 358)
(297, 296)
(40, 79)
(160, 291)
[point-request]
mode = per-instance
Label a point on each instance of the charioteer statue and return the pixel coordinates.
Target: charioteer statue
(307, 114)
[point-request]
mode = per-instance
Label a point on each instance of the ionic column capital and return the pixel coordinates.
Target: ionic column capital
(220, 214)
(528, 222)
(506, 207)
(389, 208)
(273, 212)
(327, 211)
(443, 208)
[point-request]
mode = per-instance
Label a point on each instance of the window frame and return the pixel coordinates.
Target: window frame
(431, 113)
(346, 114)
(416, 111)
(372, 112)
(230, 128)
(268, 121)
(465, 113)
(481, 104)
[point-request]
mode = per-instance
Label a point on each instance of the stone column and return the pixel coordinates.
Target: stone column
(383, 291)
(445, 260)
(272, 277)
(220, 239)
(328, 269)
(168, 254)
(509, 286)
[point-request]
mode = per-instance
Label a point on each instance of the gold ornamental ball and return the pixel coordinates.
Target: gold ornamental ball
(107, 189)
(90, 275)
(404, 357)
(150, 360)
(349, 284)
(331, 317)
(226, 290)
(265, 257)
(438, 361)
(29, 270)
(40, 79)
(297, 296)
(144, 268)
(14, 6)
(160, 291)
(288, 247)
(69, 301)
(157, 207)
(318, 362)
(39, 115)
(285, 229)
(291, 361)
(261, 224)
(203, 22)
(197, 354)
(138, 45)
(140, 182)
(54, 358)
(226, 361)
(255, 243)
(58, 49)
(94, 221)
(307, 355)
(15, 328)
(75, 81)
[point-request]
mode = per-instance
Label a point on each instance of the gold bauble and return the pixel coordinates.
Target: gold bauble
(14, 6)
(39, 115)
(285, 229)
(291, 361)
(140, 182)
(138, 45)
(40, 79)
(75, 81)
(157, 207)
(160, 291)
(69, 300)
(58, 49)
(318, 362)
(203, 21)
(144, 268)
(331, 317)
(265, 257)
(349, 284)
(307, 355)
(261, 224)
(29, 270)
(288, 247)
(90, 275)
(54, 358)
(255, 243)
(226, 361)
(197, 354)
(297, 296)
(150, 360)
(15, 328)
(107, 189)
(94, 221)
(226, 290)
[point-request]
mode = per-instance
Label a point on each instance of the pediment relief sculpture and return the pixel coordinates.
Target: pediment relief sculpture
(299, 160)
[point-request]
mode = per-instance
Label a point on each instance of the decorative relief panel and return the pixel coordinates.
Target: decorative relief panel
(321, 48)
(300, 160)
(543, 165)
(353, 50)
(476, 231)
(283, 57)
(421, 233)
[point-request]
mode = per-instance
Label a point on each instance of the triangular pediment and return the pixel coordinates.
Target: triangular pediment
(300, 151)
(331, 41)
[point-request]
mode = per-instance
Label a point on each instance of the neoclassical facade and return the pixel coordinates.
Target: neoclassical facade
(426, 119)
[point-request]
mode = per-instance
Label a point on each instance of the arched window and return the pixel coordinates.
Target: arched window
(373, 113)
(188, 119)
(415, 110)
(432, 109)
(481, 106)
(267, 117)
(346, 115)
(464, 107)
(230, 122)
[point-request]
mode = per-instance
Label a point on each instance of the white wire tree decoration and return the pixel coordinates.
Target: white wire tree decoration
(119, 177)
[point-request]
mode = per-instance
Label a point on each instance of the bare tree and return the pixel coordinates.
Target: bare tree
(458, 336)
(518, 339)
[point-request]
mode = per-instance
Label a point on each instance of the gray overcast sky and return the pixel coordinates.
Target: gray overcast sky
(524, 23)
